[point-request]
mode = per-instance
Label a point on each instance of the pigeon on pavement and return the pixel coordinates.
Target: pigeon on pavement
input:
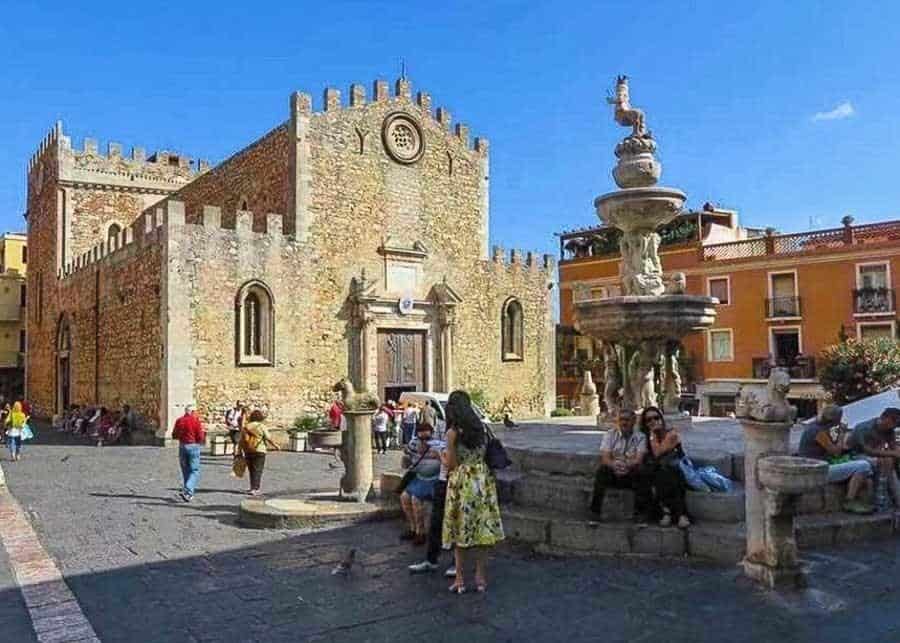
(343, 568)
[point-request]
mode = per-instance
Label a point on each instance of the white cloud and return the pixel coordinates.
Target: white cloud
(843, 110)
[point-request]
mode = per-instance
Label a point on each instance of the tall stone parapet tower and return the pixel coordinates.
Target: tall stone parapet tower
(77, 198)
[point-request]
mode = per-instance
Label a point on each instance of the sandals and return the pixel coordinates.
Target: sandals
(456, 588)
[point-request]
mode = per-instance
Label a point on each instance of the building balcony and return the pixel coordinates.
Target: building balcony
(781, 307)
(802, 367)
(868, 301)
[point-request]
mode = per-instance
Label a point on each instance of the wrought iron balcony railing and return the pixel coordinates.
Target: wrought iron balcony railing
(873, 300)
(783, 307)
(802, 367)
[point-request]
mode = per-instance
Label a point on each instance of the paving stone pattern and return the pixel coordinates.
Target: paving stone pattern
(146, 567)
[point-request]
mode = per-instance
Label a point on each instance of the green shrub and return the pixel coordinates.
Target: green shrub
(855, 369)
(479, 397)
(306, 423)
(557, 413)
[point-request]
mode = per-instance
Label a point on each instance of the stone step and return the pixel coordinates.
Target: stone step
(838, 528)
(568, 494)
(563, 534)
(829, 499)
(719, 542)
(717, 506)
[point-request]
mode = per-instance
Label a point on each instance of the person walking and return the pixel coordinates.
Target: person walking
(233, 418)
(190, 434)
(410, 418)
(380, 429)
(15, 421)
(253, 445)
(472, 515)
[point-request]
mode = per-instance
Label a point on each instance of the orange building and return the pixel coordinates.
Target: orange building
(784, 297)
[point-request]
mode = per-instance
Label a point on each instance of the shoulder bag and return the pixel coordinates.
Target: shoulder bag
(409, 474)
(495, 453)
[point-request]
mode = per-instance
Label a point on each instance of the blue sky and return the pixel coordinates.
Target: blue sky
(731, 93)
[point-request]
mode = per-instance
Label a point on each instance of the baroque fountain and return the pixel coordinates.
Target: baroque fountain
(641, 330)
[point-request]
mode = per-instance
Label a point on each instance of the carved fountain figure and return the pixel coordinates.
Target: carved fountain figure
(641, 330)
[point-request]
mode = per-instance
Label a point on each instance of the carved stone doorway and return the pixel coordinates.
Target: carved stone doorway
(401, 362)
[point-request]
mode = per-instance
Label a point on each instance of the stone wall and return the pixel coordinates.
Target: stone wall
(254, 179)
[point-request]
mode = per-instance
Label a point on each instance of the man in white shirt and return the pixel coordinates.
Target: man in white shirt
(621, 454)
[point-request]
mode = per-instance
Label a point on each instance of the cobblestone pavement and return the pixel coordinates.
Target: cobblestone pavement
(146, 567)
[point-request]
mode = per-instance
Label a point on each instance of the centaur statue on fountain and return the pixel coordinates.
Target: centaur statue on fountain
(625, 114)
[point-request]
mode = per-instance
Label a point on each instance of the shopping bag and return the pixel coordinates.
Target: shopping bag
(691, 475)
(27, 433)
(238, 466)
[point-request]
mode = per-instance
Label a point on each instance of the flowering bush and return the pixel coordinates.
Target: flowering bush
(854, 369)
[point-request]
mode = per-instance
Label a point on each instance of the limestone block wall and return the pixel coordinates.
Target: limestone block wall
(111, 301)
(528, 386)
(253, 179)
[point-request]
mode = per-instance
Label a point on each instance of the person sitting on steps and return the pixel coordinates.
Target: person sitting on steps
(621, 455)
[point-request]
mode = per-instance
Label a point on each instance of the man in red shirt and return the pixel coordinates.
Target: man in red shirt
(190, 433)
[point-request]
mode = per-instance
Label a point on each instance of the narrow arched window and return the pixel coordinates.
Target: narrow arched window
(112, 236)
(255, 316)
(512, 331)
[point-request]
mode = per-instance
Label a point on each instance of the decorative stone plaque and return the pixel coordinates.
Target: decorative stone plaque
(402, 138)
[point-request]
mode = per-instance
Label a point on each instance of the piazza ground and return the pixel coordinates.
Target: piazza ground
(147, 567)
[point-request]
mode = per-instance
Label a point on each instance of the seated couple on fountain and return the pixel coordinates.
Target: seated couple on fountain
(828, 439)
(645, 461)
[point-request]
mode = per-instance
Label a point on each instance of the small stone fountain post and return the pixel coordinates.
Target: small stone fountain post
(590, 401)
(357, 454)
(356, 447)
(773, 482)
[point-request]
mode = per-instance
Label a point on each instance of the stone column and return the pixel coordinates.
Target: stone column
(761, 439)
(590, 401)
(357, 455)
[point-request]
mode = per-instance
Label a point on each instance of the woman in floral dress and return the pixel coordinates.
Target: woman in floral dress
(472, 516)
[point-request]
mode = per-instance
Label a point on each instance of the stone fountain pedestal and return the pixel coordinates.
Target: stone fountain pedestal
(356, 453)
(773, 483)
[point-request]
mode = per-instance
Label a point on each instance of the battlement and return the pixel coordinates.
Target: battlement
(155, 225)
(161, 172)
(528, 260)
(51, 138)
(302, 103)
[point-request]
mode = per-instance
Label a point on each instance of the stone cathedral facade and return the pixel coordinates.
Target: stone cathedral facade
(348, 241)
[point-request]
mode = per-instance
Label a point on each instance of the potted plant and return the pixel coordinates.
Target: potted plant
(298, 433)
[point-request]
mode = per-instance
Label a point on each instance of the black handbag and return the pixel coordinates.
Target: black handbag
(494, 453)
(409, 475)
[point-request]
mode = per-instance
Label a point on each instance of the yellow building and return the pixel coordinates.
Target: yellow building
(13, 266)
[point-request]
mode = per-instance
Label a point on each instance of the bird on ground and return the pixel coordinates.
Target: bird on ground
(332, 465)
(508, 423)
(343, 568)
(65, 458)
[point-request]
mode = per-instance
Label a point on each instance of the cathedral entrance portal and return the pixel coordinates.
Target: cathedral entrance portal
(401, 362)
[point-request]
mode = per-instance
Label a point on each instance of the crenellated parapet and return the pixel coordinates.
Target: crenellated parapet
(156, 224)
(402, 95)
(160, 172)
(515, 259)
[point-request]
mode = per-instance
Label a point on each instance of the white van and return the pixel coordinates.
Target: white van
(437, 401)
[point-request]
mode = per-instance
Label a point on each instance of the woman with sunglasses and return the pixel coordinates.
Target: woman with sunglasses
(664, 445)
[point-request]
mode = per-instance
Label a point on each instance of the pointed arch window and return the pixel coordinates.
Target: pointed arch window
(512, 331)
(255, 331)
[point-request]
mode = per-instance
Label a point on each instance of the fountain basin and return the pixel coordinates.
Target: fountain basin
(635, 318)
(792, 475)
(645, 208)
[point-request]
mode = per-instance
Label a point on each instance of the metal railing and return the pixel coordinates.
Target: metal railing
(873, 300)
(783, 307)
(802, 367)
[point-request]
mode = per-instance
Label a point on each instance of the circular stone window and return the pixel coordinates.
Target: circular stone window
(402, 138)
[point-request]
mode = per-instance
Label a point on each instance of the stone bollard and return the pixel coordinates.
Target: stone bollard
(590, 401)
(356, 453)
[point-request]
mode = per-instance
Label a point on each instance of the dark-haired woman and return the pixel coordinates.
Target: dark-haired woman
(253, 445)
(472, 515)
(664, 449)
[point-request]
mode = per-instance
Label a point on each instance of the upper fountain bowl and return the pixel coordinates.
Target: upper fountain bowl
(638, 318)
(640, 209)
